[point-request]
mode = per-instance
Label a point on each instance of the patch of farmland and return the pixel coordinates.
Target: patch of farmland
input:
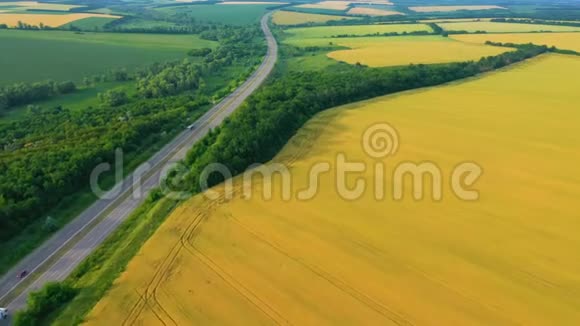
(341, 5)
(399, 50)
(366, 11)
(24, 5)
(251, 3)
(233, 15)
(90, 23)
(103, 11)
(34, 55)
(564, 41)
(139, 23)
(51, 20)
(452, 8)
(330, 5)
(454, 20)
(396, 51)
(492, 27)
(306, 33)
(296, 18)
(509, 257)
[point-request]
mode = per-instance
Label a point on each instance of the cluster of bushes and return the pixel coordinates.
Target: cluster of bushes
(528, 45)
(199, 52)
(171, 80)
(464, 32)
(24, 26)
(437, 29)
(43, 302)
(113, 97)
(23, 93)
(535, 21)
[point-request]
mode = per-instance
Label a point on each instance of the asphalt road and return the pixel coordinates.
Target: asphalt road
(62, 253)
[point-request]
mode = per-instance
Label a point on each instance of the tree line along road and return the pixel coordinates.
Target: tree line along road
(55, 259)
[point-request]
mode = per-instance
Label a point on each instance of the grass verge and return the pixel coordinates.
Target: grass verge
(98, 272)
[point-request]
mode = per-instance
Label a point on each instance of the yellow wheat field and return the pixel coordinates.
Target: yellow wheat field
(564, 41)
(453, 20)
(39, 6)
(510, 257)
(296, 18)
(451, 8)
(395, 51)
(307, 34)
(492, 27)
(372, 12)
(47, 19)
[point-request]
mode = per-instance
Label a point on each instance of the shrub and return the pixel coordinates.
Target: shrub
(44, 302)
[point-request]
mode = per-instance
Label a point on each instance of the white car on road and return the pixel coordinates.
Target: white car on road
(3, 313)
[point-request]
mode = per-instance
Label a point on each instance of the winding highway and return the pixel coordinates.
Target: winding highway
(56, 258)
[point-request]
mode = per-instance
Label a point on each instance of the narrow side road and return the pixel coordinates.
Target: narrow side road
(63, 252)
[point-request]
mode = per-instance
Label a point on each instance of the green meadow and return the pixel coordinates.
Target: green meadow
(29, 56)
(226, 14)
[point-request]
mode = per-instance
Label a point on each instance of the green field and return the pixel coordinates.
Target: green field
(90, 23)
(79, 100)
(330, 31)
(233, 15)
(146, 24)
(29, 56)
(493, 27)
(308, 61)
(318, 11)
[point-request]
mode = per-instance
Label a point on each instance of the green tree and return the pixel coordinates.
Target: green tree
(113, 97)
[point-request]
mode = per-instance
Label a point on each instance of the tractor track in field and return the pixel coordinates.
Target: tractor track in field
(235, 284)
(238, 286)
(160, 273)
(149, 296)
(341, 285)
